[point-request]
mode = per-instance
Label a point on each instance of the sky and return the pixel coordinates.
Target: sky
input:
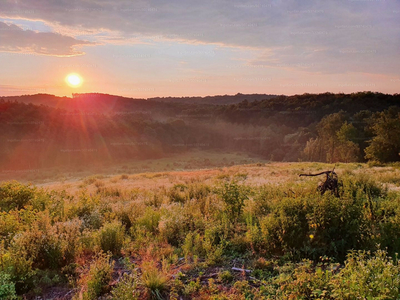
(199, 47)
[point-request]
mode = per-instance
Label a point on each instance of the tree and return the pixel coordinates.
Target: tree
(385, 145)
(335, 141)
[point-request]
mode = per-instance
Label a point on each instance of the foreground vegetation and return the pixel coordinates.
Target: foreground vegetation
(221, 239)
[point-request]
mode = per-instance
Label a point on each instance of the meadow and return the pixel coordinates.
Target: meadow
(253, 231)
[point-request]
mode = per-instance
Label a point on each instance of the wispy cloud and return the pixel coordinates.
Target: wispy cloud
(15, 39)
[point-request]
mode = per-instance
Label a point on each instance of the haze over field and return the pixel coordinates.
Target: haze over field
(95, 130)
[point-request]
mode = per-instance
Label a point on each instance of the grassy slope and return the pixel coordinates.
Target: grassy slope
(255, 174)
(192, 160)
(195, 268)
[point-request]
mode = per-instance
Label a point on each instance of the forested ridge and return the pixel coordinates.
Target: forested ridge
(95, 127)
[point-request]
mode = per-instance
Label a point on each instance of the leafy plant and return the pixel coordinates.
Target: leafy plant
(96, 281)
(233, 195)
(111, 237)
(126, 289)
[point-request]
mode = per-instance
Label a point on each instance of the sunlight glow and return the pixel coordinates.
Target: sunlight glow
(74, 80)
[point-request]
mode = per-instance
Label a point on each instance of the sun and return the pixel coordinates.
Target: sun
(74, 80)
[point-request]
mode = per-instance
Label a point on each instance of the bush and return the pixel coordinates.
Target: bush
(126, 289)
(207, 246)
(7, 287)
(86, 208)
(387, 233)
(18, 266)
(193, 245)
(286, 229)
(306, 282)
(362, 187)
(69, 235)
(40, 244)
(149, 220)
(225, 276)
(15, 195)
(337, 226)
(171, 226)
(96, 281)
(13, 222)
(178, 193)
(154, 280)
(111, 237)
(367, 276)
(233, 195)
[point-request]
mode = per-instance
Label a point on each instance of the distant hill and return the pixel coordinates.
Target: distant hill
(216, 100)
(37, 99)
(303, 110)
(106, 102)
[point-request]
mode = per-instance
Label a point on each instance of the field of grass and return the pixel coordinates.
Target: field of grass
(251, 231)
(192, 160)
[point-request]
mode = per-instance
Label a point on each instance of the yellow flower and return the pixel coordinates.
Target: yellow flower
(311, 236)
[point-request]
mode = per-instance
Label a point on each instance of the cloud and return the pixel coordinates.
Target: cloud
(15, 39)
(322, 29)
(330, 60)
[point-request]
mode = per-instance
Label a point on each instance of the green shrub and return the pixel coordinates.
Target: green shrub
(154, 280)
(7, 287)
(387, 231)
(225, 276)
(149, 220)
(126, 289)
(362, 187)
(18, 266)
(206, 246)
(87, 208)
(173, 224)
(309, 227)
(69, 235)
(111, 237)
(306, 282)
(193, 245)
(40, 244)
(367, 276)
(233, 195)
(286, 229)
(96, 281)
(178, 193)
(337, 226)
(198, 191)
(13, 222)
(48, 237)
(213, 245)
(14, 195)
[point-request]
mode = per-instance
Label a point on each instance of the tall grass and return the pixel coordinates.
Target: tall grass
(291, 236)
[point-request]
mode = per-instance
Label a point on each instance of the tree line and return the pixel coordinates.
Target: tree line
(325, 127)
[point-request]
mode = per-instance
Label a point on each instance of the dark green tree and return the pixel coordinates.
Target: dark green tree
(385, 145)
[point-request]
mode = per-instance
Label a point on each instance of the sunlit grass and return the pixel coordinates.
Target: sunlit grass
(178, 234)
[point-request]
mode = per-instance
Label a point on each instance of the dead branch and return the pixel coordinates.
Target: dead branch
(241, 270)
(330, 184)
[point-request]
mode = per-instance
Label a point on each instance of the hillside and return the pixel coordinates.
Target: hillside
(107, 102)
(94, 128)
